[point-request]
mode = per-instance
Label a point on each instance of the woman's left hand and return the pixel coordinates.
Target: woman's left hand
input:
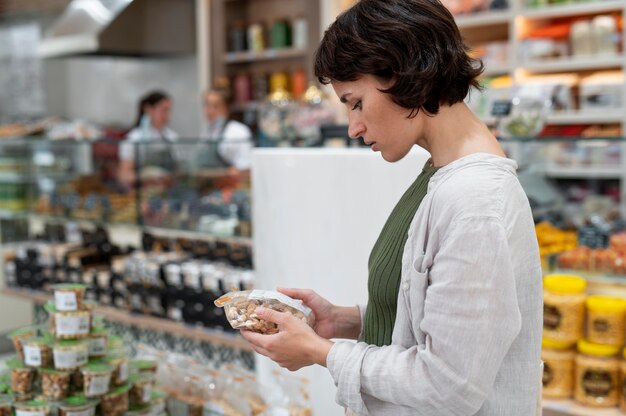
(295, 345)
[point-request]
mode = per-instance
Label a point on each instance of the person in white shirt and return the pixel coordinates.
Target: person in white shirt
(234, 138)
(151, 126)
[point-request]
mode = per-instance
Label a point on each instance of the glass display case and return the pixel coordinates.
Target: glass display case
(186, 185)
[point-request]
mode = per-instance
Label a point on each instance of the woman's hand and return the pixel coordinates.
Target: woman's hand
(295, 345)
(330, 321)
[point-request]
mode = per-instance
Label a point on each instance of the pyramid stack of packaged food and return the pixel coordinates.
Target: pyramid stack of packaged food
(74, 367)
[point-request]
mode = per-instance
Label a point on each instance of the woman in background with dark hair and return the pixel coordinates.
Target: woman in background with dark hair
(454, 317)
(153, 117)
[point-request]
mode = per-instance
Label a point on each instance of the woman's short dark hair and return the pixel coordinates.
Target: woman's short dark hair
(414, 43)
(150, 99)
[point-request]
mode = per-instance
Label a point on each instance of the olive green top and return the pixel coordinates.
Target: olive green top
(385, 262)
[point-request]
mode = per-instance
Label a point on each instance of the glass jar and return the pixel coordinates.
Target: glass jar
(606, 320)
(564, 308)
(55, 384)
(33, 408)
(558, 369)
(70, 354)
(78, 406)
(69, 297)
(96, 379)
(115, 403)
(37, 352)
(597, 374)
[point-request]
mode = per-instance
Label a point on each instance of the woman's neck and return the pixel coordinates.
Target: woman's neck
(456, 132)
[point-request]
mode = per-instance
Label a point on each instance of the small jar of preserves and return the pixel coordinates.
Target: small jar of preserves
(558, 368)
(597, 375)
(564, 308)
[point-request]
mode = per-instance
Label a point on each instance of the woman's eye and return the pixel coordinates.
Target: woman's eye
(357, 105)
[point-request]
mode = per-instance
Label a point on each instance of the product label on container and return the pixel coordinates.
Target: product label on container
(551, 317)
(268, 294)
(72, 325)
(597, 383)
(97, 346)
(70, 359)
(65, 301)
(98, 385)
(147, 393)
(123, 371)
(32, 356)
(89, 412)
(29, 413)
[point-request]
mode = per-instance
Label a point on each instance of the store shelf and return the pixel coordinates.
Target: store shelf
(488, 18)
(574, 64)
(249, 106)
(590, 7)
(494, 70)
(571, 408)
(587, 117)
(267, 55)
(584, 172)
(144, 321)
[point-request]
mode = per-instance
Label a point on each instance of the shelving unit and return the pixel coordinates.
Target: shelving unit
(489, 18)
(589, 7)
(587, 117)
(572, 64)
(571, 408)
(144, 321)
(267, 55)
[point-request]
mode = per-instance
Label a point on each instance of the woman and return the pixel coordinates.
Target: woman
(151, 126)
(234, 138)
(454, 316)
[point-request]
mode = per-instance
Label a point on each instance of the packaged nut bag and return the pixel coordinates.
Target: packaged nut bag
(240, 309)
(70, 354)
(18, 336)
(115, 402)
(69, 325)
(96, 379)
(55, 385)
(37, 352)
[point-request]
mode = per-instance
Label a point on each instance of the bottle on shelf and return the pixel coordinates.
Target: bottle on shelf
(237, 37)
(298, 83)
(300, 33)
(280, 35)
(256, 37)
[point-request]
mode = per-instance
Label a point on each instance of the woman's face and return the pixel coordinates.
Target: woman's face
(159, 113)
(372, 114)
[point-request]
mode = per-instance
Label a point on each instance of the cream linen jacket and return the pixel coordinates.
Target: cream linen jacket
(467, 336)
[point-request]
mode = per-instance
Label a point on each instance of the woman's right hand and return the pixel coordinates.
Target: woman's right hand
(331, 321)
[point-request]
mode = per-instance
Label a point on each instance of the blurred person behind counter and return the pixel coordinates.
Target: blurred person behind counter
(234, 139)
(151, 126)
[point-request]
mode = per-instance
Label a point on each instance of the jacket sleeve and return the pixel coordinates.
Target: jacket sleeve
(471, 318)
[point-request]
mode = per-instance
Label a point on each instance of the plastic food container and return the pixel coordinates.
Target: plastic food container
(19, 336)
(141, 390)
(121, 371)
(21, 376)
(564, 307)
(70, 354)
(597, 375)
(115, 403)
(33, 408)
(144, 366)
(69, 297)
(558, 369)
(96, 379)
(158, 403)
(145, 410)
(6, 405)
(240, 308)
(98, 343)
(78, 406)
(55, 384)
(606, 320)
(37, 352)
(69, 325)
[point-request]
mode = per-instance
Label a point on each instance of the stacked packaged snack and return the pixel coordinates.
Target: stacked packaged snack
(75, 368)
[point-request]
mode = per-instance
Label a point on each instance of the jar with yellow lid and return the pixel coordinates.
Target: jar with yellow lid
(564, 307)
(606, 319)
(558, 368)
(597, 375)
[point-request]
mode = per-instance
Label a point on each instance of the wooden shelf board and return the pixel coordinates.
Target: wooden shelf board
(571, 408)
(587, 117)
(487, 18)
(574, 64)
(591, 172)
(266, 55)
(590, 7)
(144, 321)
